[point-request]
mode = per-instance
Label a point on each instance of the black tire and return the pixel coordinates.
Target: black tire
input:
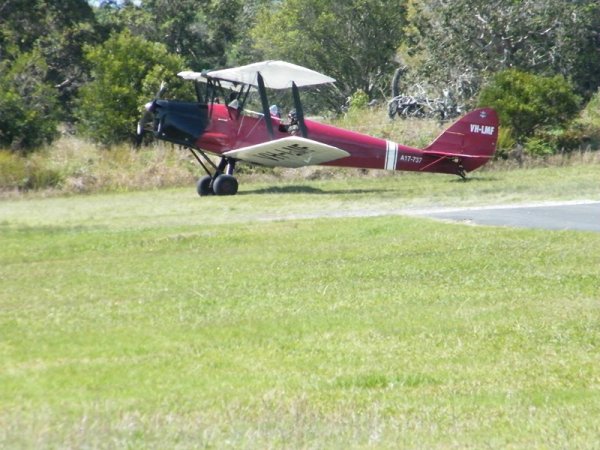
(225, 185)
(203, 186)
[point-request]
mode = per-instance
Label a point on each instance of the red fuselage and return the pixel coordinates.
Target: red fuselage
(229, 129)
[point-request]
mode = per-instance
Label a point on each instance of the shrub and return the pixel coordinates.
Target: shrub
(565, 140)
(358, 101)
(536, 146)
(127, 72)
(525, 102)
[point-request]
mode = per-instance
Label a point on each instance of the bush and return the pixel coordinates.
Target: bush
(536, 146)
(358, 101)
(127, 72)
(566, 140)
(526, 102)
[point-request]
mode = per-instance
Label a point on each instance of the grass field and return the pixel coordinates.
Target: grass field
(158, 319)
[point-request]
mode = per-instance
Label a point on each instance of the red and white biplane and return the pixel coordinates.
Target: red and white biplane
(232, 133)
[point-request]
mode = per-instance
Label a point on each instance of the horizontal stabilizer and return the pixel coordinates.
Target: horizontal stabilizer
(293, 151)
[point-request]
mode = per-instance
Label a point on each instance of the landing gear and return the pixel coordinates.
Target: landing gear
(460, 170)
(223, 184)
(462, 173)
(218, 182)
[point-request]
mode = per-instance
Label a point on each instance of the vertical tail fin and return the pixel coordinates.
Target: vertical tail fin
(472, 139)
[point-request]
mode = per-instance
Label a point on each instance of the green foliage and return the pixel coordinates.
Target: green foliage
(24, 22)
(590, 114)
(358, 101)
(505, 144)
(579, 54)
(127, 72)
(525, 102)
(451, 39)
(563, 140)
(536, 146)
(588, 123)
(114, 18)
(57, 31)
(353, 41)
(29, 109)
(203, 33)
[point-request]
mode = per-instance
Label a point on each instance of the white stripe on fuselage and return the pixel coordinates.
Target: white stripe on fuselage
(391, 155)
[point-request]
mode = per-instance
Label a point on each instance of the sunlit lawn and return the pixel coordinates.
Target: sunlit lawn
(162, 320)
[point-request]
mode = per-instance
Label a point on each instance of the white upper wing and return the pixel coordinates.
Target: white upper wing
(276, 75)
(293, 151)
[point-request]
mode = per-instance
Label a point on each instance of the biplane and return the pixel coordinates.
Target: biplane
(219, 124)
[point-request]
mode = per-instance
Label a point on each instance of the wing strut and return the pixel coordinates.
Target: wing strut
(265, 103)
(299, 110)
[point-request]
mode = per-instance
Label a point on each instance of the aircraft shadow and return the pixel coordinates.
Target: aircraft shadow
(470, 179)
(307, 190)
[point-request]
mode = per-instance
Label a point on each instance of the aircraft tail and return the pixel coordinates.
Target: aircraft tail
(471, 140)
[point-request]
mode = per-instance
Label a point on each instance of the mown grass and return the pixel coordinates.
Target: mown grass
(160, 320)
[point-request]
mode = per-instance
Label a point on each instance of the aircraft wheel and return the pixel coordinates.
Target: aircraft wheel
(203, 186)
(225, 185)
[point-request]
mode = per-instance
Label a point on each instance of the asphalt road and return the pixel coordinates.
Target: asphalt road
(575, 215)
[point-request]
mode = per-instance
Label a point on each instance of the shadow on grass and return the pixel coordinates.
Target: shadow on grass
(309, 190)
(475, 179)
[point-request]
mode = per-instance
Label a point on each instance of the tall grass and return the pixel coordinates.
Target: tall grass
(78, 166)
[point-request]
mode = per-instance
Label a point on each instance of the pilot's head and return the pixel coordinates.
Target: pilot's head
(292, 116)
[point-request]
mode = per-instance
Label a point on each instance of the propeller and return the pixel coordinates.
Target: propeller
(148, 115)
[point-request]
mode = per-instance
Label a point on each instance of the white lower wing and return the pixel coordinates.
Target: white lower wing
(293, 151)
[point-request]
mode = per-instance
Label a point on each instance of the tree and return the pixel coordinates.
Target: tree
(117, 16)
(127, 71)
(201, 31)
(582, 40)
(55, 30)
(353, 41)
(28, 106)
(208, 34)
(525, 102)
(450, 38)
